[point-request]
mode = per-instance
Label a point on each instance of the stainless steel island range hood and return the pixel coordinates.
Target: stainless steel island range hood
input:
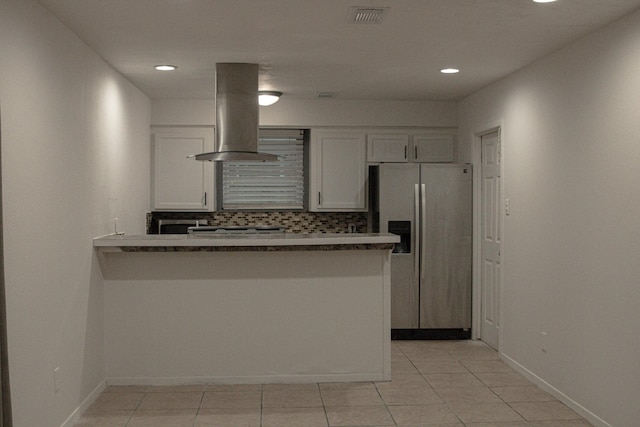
(236, 115)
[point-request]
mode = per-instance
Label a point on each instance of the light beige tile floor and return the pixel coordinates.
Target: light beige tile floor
(433, 384)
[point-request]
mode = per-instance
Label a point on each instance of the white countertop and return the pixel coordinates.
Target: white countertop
(280, 239)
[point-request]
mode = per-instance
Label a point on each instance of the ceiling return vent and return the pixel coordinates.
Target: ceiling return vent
(325, 95)
(366, 15)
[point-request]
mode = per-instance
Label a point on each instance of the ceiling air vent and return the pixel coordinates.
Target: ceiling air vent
(325, 95)
(366, 15)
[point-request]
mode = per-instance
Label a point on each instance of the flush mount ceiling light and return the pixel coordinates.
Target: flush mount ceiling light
(268, 97)
(544, 1)
(449, 71)
(165, 67)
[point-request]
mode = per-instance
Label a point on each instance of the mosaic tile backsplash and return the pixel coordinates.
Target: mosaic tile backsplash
(293, 222)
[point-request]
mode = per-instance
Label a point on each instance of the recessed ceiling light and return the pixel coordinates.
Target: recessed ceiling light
(165, 67)
(449, 71)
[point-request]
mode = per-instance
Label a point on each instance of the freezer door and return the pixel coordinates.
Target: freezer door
(397, 201)
(446, 243)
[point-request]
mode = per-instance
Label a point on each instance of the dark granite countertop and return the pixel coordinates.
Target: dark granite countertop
(245, 242)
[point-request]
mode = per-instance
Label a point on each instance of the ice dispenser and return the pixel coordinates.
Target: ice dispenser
(402, 229)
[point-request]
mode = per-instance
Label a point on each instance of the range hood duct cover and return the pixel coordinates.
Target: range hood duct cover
(236, 115)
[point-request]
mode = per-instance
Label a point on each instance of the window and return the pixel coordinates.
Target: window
(268, 185)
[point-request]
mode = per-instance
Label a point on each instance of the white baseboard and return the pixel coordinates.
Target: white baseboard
(77, 413)
(267, 379)
(584, 412)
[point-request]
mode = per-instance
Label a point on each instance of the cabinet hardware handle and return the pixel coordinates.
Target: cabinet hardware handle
(319, 202)
(415, 156)
(205, 198)
(405, 152)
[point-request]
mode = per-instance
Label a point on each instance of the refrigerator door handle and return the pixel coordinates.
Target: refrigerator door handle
(416, 235)
(423, 230)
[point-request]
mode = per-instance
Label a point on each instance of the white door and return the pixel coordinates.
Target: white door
(491, 239)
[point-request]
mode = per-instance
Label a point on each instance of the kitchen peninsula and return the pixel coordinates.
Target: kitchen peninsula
(183, 309)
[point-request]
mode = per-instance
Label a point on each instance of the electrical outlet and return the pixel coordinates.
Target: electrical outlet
(543, 342)
(507, 207)
(56, 379)
(352, 228)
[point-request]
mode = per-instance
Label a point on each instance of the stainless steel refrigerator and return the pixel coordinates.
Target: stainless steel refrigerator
(430, 207)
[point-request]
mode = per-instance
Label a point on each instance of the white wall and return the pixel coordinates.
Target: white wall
(571, 153)
(316, 113)
(75, 154)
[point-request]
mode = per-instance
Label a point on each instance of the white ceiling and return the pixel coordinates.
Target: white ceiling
(307, 46)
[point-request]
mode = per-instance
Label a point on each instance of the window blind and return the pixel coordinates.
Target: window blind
(268, 185)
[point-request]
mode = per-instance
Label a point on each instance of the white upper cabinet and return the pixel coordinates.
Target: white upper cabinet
(338, 171)
(403, 148)
(388, 148)
(180, 183)
(433, 148)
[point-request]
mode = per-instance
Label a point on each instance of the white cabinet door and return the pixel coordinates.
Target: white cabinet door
(433, 148)
(338, 173)
(388, 148)
(180, 183)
